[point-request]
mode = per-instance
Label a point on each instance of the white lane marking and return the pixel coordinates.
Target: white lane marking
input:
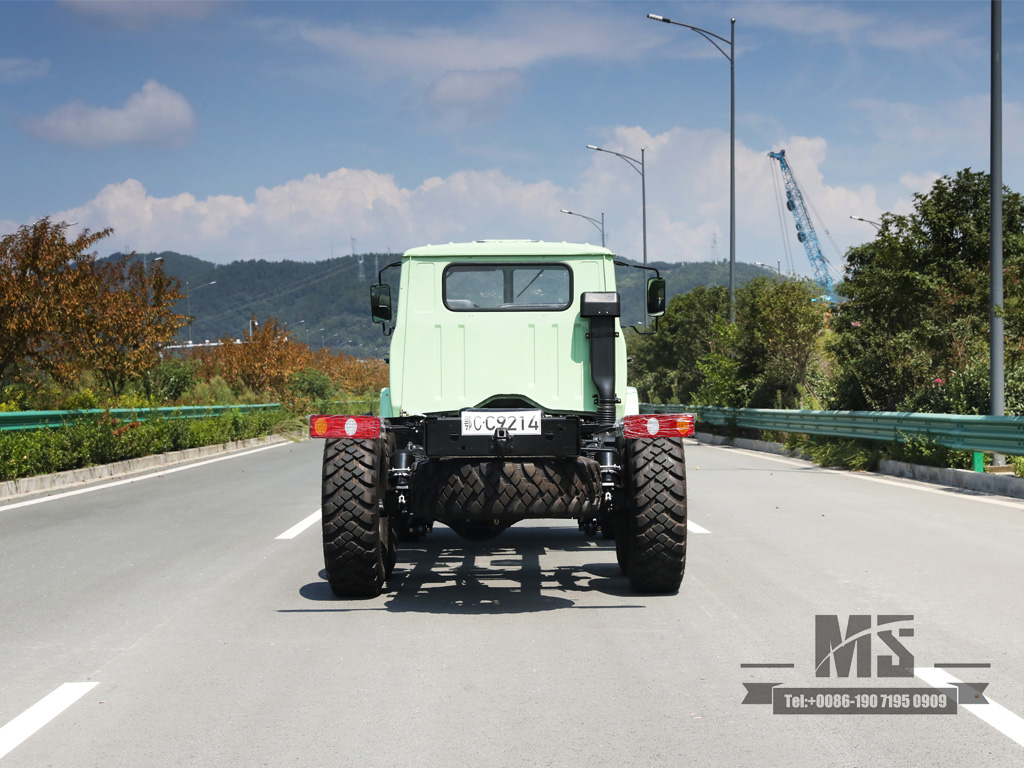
(692, 527)
(996, 715)
(298, 528)
(158, 473)
(40, 713)
(916, 485)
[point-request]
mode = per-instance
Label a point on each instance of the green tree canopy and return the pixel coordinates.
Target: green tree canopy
(914, 335)
(765, 359)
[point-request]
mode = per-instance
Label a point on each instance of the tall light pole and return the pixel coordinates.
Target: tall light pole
(599, 225)
(711, 37)
(639, 167)
(188, 295)
(778, 266)
(997, 382)
(145, 272)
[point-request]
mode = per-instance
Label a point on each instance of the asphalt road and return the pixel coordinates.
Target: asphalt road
(196, 636)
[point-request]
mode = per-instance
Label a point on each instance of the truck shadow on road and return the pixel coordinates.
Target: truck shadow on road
(521, 571)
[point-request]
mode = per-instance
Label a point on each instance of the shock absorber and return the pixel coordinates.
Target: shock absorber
(400, 473)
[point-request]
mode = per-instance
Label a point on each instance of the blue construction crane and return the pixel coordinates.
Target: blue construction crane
(805, 229)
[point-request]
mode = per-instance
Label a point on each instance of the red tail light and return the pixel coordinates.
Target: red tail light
(659, 425)
(353, 427)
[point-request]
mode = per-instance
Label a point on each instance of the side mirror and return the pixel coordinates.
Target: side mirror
(656, 296)
(380, 303)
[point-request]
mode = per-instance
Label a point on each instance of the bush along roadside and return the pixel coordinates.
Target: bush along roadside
(106, 440)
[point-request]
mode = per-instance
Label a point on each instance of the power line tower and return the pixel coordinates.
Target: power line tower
(359, 259)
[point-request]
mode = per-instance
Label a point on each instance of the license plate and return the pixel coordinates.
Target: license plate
(485, 422)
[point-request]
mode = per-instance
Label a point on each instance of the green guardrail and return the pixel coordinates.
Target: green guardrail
(994, 434)
(49, 419)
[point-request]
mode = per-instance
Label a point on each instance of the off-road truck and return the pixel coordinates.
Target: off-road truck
(507, 401)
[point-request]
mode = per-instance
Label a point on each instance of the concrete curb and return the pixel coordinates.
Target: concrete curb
(981, 482)
(12, 488)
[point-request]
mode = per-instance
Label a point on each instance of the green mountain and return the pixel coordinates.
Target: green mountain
(324, 303)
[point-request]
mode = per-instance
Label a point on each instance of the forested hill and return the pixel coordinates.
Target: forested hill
(325, 302)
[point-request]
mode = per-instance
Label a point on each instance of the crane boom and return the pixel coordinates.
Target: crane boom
(805, 232)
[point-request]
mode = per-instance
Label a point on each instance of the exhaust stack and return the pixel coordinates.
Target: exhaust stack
(601, 308)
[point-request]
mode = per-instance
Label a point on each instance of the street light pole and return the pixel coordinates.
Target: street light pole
(997, 380)
(711, 37)
(874, 224)
(639, 167)
(188, 296)
(599, 225)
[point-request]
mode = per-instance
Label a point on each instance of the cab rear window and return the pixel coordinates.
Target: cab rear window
(507, 287)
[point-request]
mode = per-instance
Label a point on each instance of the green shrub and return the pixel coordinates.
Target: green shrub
(311, 383)
(173, 378)
(105, 440)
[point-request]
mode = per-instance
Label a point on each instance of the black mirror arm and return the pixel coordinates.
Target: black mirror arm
(637, 266)
(380, 275)
(645, 333)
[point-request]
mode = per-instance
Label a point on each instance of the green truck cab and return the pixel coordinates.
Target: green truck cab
(507, 400)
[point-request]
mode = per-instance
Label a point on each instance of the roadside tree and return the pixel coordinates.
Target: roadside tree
(914, 334)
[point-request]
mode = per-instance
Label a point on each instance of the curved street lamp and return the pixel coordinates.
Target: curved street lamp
(188, 295)
(595, 222)
(874, 224)
(711, 37)
(639, 167)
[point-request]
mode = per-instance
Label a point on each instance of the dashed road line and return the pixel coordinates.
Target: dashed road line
(996, 715)
(299, 527)
(692, 527)
(40, 713)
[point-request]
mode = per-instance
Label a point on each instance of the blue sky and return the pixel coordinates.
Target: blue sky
(237, 130)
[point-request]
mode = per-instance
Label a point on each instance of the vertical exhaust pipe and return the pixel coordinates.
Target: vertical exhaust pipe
(601, 308)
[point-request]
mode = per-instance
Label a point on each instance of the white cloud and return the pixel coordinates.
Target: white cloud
(460, 88)
(133, 15)
(919, 182)
(514, 37)
(475, 96)
(882, 29)
(14, 71)
(155, 115)
(687, 207)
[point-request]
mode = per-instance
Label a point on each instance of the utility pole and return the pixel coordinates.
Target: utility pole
(996, 326)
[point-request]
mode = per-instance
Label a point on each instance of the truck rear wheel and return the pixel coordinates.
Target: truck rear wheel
(358, 552)
(651, 547)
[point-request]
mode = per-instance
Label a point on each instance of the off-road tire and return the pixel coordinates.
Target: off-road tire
(654, 528)
(356, 536)
(466, 489)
